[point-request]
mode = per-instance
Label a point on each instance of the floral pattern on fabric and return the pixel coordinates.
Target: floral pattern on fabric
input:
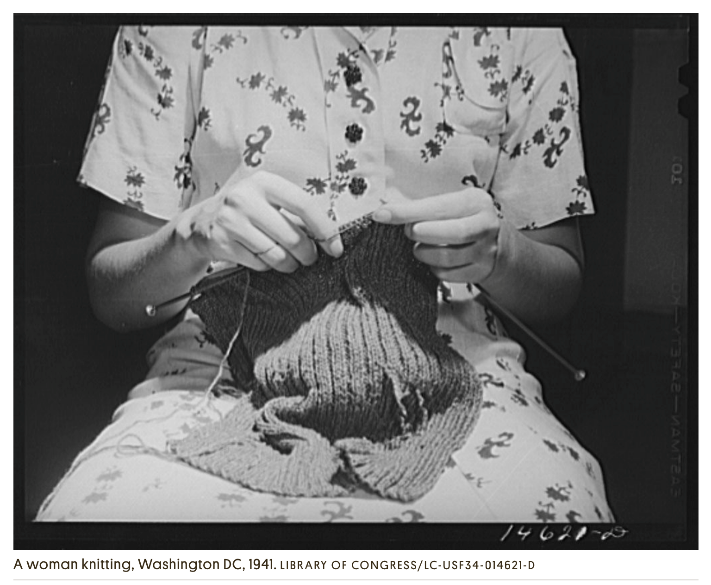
(204, 118)
(127, 474)
(343, 181)
(184, 169)
(254, 146)
(162, 71)
(279, 94)
(554, 134)
(224, 43)
(490, 64)
(410, 119)
(102, 118)
(134, 181)
(524, 80)
(434, 146)
(349, 70)
(292, 32)
(582, 194)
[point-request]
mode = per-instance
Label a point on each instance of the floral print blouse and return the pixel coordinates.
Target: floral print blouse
(355, 116)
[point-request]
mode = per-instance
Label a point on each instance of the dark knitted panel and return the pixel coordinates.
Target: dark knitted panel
(350, 384)
(378, 265)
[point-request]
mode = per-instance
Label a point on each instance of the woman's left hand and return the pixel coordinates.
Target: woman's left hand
(456, 234)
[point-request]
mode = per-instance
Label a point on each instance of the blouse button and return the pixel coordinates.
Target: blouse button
(357, 186)
(354, 133)
(353, 75)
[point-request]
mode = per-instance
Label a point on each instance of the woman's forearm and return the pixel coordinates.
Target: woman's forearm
(536, 280)
(127, 275)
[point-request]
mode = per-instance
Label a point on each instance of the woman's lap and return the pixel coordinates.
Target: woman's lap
(127, 474)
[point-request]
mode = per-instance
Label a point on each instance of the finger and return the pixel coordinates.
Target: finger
(288, 235)
(240, 229)
(240, 216)
(228, 252)
(471, 274)
(220, 265)
(278, 258)
(324, 244)
(460, 231)
(285, 194)
(446, 256)
(470, 263)
(252, 261)
(445, 206)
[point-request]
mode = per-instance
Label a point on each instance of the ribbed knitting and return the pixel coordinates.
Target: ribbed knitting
(350, 385)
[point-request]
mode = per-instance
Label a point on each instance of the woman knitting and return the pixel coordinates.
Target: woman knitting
(336, 196)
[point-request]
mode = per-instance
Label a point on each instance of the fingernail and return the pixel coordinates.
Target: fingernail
(382, 216)
(335, 247)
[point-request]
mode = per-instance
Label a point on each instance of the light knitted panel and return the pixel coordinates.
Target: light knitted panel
(350, 385)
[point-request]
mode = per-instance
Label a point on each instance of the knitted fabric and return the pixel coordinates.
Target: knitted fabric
(350, 385)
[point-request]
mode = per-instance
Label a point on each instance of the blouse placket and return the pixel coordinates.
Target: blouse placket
(354, 125)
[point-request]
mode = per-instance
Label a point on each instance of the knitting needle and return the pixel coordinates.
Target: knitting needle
(196, 291)
(217, 278)
(212, 281)
(578, 374)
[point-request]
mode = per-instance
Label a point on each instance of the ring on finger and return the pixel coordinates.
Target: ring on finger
(325, 240)
(269, 249)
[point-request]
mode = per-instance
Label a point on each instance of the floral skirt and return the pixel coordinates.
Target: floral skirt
(519, 464)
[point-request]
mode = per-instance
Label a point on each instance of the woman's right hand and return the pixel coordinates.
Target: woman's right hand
(245, 223)
(135, 260)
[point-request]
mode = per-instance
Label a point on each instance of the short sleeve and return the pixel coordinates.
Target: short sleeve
(138, 148)
(540, 174)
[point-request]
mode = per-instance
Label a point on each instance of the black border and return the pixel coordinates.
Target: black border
(199, 536)
(589, 20)
(173, 536)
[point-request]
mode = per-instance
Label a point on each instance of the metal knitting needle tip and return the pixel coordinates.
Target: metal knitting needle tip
(214, 279)
(151, 310)
(578, 374)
